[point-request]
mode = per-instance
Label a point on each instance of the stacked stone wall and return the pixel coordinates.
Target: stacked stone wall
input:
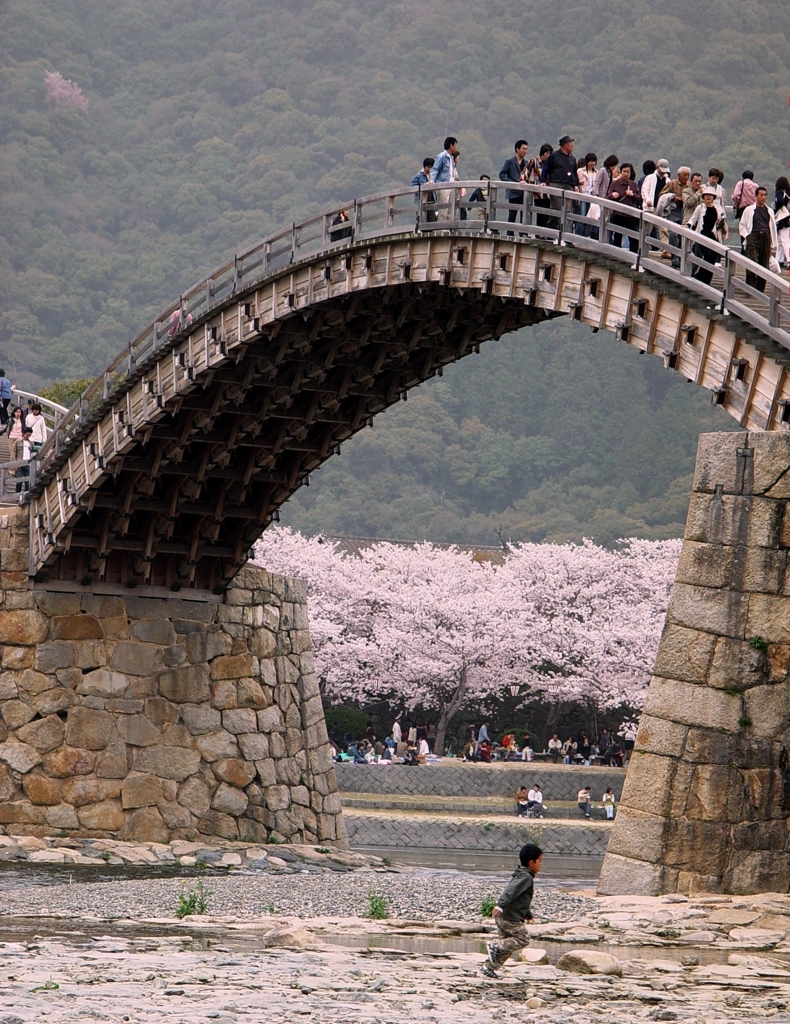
(156, 718)
(558, 782)
(706, 800)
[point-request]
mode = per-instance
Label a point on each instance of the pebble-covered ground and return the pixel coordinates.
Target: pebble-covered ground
(419, 894)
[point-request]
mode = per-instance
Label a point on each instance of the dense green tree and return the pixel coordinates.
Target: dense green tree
(211, 122)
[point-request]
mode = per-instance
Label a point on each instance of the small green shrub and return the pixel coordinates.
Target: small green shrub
(48, 986)
(603, 923)
(104, 855)
(378, 908)
(758, 643)
(321, 849)
(744, 722)
(487, 906)
(273, 840)
(193, 900)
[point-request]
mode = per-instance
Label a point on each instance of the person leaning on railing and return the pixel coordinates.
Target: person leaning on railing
(757, 227)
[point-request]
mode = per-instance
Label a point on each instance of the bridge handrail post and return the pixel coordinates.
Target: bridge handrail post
(773, 306)
(726, 288)
(642, 245)
(356, 220)
(293, 242)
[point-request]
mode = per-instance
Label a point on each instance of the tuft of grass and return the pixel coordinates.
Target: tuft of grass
(758, 643)
(321, 849)
(193, 900)
(603, 923)
(104, 855)
(378, 908)
(272, 840)
(48, 986)
(387, 862)
(487, 906)
(744, 721)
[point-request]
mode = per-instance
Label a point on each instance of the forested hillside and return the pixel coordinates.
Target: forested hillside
(196, 126)
(551, 434)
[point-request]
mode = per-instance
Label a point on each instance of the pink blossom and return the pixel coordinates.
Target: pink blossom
(61, 92)
(432, 627)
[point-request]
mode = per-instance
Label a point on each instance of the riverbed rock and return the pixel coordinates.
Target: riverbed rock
(590, 961)
(291, 937)
(533, 955)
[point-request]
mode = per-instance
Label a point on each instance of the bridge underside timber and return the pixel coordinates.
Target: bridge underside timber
(172, 480)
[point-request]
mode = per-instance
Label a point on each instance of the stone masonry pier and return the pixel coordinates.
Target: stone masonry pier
(155, 718)
(706, 800)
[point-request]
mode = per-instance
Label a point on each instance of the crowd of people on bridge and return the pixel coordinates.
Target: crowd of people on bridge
(691, 199)
(23, 428)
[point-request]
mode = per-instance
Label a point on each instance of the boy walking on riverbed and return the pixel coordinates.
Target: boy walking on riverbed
(512, 910)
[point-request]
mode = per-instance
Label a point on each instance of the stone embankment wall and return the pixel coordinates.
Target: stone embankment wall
(158, 718)
(707, 796)
(424, 832)
(558, 782)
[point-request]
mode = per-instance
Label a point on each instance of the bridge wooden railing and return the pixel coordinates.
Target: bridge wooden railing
(405, 211)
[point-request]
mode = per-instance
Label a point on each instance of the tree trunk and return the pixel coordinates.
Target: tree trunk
(449, 711)
(551, 722)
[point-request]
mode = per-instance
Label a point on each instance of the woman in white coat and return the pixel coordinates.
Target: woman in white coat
(710, 221)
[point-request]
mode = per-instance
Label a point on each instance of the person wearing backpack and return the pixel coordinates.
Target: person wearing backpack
(782, 214)
(744, 193)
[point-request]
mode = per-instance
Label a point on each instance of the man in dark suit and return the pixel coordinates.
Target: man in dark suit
(514, 169)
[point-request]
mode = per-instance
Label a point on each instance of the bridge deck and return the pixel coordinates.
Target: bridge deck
(180, 454)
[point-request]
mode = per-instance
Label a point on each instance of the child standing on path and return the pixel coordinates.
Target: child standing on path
(512, 910)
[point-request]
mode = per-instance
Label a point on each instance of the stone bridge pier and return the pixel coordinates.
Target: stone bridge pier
(159, 717)
(706, 800)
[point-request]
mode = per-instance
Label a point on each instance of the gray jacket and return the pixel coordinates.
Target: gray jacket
(516, 900)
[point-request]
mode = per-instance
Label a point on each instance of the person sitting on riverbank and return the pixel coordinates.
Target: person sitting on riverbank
(410, 757)
(522, 802)
(583, 799)
(608, 804)
(483, 752)
(535, 801)
(555, 748)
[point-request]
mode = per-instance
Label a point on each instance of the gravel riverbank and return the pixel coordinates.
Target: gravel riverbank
(415, 894)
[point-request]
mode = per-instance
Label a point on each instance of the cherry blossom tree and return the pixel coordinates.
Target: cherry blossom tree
(425, 624)
(62, 92)
(435, 627)
(597, 616)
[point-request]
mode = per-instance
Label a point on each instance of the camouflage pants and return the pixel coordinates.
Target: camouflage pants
(512, 937)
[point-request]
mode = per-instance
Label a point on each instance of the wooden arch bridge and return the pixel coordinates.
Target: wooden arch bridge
(179, 455)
